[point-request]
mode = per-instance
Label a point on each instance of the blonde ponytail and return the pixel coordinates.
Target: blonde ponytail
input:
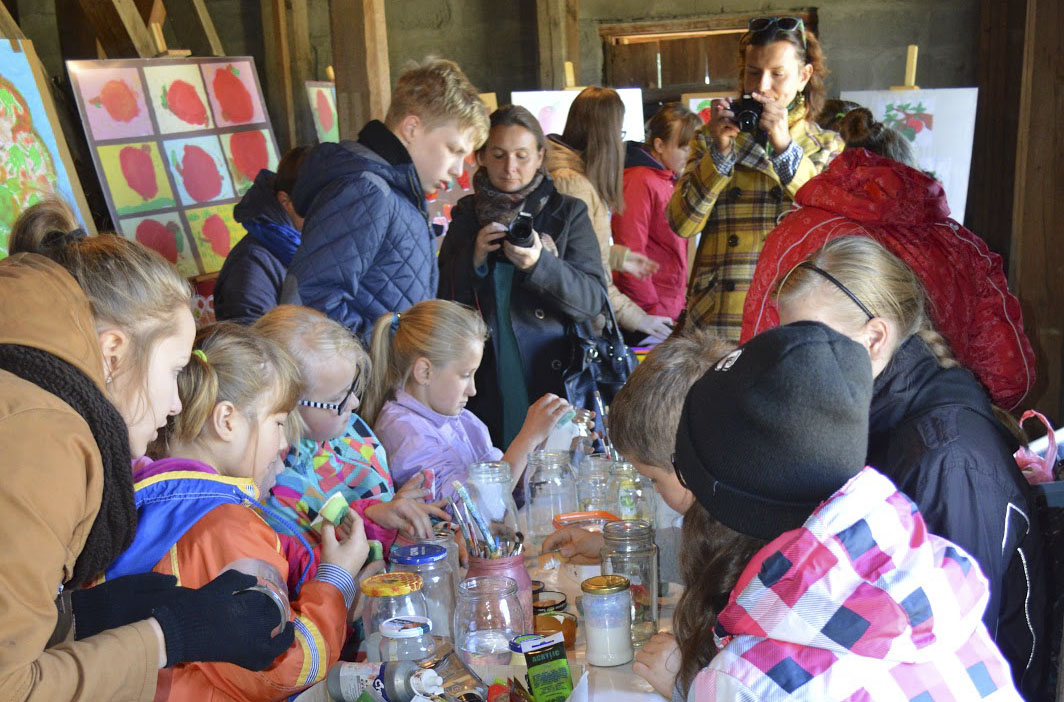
(438, 330)
(382, 385)
(939, 346)
(231, 363)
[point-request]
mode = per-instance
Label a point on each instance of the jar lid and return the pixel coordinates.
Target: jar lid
(418, 554)
(391, 584)
(549, 601)
(604, 584)
(515, 642)
(405, 627)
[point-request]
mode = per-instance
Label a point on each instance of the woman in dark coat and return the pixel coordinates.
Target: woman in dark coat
(529, 292)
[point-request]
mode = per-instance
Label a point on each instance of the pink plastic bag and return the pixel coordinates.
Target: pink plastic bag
(1035, 468)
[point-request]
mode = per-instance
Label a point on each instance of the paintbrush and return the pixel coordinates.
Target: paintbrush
(477, 517)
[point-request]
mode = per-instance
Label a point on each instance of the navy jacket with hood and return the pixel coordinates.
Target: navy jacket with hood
(367, 245)
(933, 432)
(249, 284)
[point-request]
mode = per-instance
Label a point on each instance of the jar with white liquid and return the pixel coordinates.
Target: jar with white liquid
(607, 604)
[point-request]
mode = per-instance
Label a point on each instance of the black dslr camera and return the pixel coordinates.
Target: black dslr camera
(747, 113)
(519, 233)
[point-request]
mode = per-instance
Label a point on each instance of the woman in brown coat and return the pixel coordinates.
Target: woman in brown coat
(87, 376)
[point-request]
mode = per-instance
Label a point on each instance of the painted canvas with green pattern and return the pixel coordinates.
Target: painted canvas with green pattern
(31, 164)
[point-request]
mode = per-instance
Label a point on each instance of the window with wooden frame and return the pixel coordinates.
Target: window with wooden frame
(695, 54)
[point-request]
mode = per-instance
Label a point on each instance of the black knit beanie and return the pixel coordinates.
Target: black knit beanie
(776, 427)
(113, 529)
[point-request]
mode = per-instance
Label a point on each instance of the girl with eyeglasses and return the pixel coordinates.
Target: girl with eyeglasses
(334, 450)
(738, 183)
(200, 514)
(933, 431)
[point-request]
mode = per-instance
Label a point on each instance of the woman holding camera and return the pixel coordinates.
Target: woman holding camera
(525, 256)
(748, 162)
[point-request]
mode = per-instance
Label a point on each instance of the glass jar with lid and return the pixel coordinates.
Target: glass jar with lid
(445, 538)
(389, 595)
(550, 489)
(437, 581)
(488, 616)
(607, 608)
(406, 639)
(630, 494)
(629, 550)
(489, 486)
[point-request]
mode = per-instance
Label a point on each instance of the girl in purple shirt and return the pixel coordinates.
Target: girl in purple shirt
(423, 365)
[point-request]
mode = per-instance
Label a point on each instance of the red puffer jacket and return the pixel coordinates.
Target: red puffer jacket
(906, 211)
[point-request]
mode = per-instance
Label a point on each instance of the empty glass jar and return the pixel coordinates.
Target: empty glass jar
(594, 476)
(487, 617)
(389, 595)
(406, 639)
(550, 489)
(438, 581)
(629, 550)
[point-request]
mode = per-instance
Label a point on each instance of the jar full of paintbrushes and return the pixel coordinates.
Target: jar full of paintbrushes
(489, 486)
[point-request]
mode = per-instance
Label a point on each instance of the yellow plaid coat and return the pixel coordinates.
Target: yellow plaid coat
(735, 213)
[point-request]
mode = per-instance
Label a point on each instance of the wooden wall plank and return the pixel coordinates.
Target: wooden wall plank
(360, 59)
(302, 69)
(194, 28)
(550, 28)
(279, 93)
(1037, 263)
(119, 28)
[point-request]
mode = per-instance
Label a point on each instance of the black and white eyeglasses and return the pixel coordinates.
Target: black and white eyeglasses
(340, 407)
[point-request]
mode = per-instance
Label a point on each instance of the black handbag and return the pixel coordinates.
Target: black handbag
(598, 362)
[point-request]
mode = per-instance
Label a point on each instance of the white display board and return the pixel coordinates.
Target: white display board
(940, 125)
(551, 107)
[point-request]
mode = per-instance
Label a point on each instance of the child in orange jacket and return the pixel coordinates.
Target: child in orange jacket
(199, 513)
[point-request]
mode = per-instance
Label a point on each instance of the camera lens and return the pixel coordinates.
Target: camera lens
(747, 120)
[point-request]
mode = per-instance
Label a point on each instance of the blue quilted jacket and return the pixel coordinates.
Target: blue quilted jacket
(367, 245)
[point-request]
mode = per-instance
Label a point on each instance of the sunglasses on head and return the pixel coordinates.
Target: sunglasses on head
(340, 407)
(785, 24)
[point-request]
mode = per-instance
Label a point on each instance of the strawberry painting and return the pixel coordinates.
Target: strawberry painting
(200, 174)
(250, 153)
(216, 233)
(139, 170)
(182, 99)
(119, 100)
(158, 237)
(233, 97)
(325, 111)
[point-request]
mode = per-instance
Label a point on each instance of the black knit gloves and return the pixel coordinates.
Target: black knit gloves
(118, 602)
(219, 623)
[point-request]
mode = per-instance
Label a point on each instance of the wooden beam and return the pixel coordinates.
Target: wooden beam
(278, 73)
(74, 41)
(572, 37)
(194, 28)
(550, 23)
(302, 69)
(119, 28)
(360, 59)
(1037, 268)
(9, 28)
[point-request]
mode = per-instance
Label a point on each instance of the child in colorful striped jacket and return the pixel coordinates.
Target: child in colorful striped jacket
(809, 576)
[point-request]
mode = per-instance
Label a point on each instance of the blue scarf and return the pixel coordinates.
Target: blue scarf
(281, 240)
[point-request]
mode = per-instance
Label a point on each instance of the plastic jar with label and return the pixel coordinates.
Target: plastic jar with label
(406, 639)
(607, 608)
(438, 581)
(389, 595)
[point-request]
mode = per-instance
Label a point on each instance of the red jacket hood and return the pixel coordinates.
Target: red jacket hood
(868, 188)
